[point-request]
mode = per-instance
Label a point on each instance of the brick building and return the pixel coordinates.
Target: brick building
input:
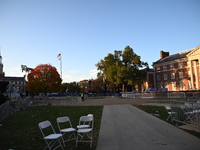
(177, 72)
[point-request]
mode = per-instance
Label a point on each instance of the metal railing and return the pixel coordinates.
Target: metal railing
(4, 110)
(13, 105)
(177, 94)
(186, 112)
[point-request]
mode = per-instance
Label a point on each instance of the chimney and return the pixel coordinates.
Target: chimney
(163, 54)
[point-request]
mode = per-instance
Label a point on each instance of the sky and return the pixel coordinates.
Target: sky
(34, 32)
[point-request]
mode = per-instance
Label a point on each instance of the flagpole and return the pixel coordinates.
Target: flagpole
(60, 65)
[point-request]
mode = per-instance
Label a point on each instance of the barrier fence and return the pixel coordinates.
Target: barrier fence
(161, 95)
(4, 110)
(186, 112)
(13, 105)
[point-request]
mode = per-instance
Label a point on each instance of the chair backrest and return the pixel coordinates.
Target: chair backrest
(86, 120)
(90, 114)
(44, 125)
(168, 107)
(62, 120)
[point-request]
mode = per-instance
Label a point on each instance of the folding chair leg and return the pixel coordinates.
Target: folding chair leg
(61, 145)
(63, 141)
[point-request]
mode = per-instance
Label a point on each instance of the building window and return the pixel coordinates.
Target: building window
(165, 76)
(180, 65)
(180, 75)
(173, 86)
(158, 68)
(181, 85)
(158, 85)
(172, 66)
(164, 68)
(173, 75)
(158, 77)
(165, 85)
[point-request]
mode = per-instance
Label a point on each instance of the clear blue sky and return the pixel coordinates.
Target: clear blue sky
(34, 32)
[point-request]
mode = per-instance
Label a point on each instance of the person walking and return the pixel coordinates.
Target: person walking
(82, 96)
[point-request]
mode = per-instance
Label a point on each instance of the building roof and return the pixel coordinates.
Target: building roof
(14, 79)
(173, 57)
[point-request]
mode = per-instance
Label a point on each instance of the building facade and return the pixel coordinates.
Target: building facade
(178, 72)
(18, 82)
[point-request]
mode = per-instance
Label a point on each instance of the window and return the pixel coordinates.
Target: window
(173, 75)
(180, 74)
(165, 76)
(181, 85)
(158, 77)
(165, 85)
(164, 68)
(173, 86)
(158, 68)
(158, 85)
(180, 65)
(171, 66)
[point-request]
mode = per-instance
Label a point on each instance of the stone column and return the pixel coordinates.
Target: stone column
(191, 75)
(196, 76)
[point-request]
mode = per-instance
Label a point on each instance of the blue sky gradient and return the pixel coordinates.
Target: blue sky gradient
(34, 32)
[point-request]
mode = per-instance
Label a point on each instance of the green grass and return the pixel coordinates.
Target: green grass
(20, 129)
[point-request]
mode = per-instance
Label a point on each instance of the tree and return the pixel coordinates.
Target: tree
(71, 87)
(122, 68)
(44, 79)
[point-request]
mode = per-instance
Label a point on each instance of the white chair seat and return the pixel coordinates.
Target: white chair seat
(68, 130)
(83, 126)
(84, 130)
(53, 136)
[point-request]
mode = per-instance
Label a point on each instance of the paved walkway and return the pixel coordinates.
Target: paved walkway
(125, 127)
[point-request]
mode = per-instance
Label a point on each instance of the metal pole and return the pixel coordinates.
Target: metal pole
(60, 66)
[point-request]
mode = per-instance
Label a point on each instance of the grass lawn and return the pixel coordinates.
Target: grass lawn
(20, 129)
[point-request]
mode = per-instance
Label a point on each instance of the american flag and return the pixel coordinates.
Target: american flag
(59, 56)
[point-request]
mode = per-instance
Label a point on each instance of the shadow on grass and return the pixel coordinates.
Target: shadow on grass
(20, 129)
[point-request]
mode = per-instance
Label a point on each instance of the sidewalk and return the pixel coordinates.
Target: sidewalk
(125, 127)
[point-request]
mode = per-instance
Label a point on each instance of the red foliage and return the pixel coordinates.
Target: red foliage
(44, 79)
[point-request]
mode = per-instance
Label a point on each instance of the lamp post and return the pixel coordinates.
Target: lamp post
(104, 81)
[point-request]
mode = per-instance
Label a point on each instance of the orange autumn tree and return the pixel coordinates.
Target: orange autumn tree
(44, 79)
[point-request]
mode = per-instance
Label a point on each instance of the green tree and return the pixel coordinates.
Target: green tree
(122, 68)
(44, 79)
(71, 87)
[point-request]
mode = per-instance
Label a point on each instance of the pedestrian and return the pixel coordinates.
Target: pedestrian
(82, 96)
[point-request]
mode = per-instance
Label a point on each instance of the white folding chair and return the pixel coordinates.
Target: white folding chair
(171, 114)
(65, 127)
(49, 135)
(84, 124)
(188, 113)
(85, 134)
